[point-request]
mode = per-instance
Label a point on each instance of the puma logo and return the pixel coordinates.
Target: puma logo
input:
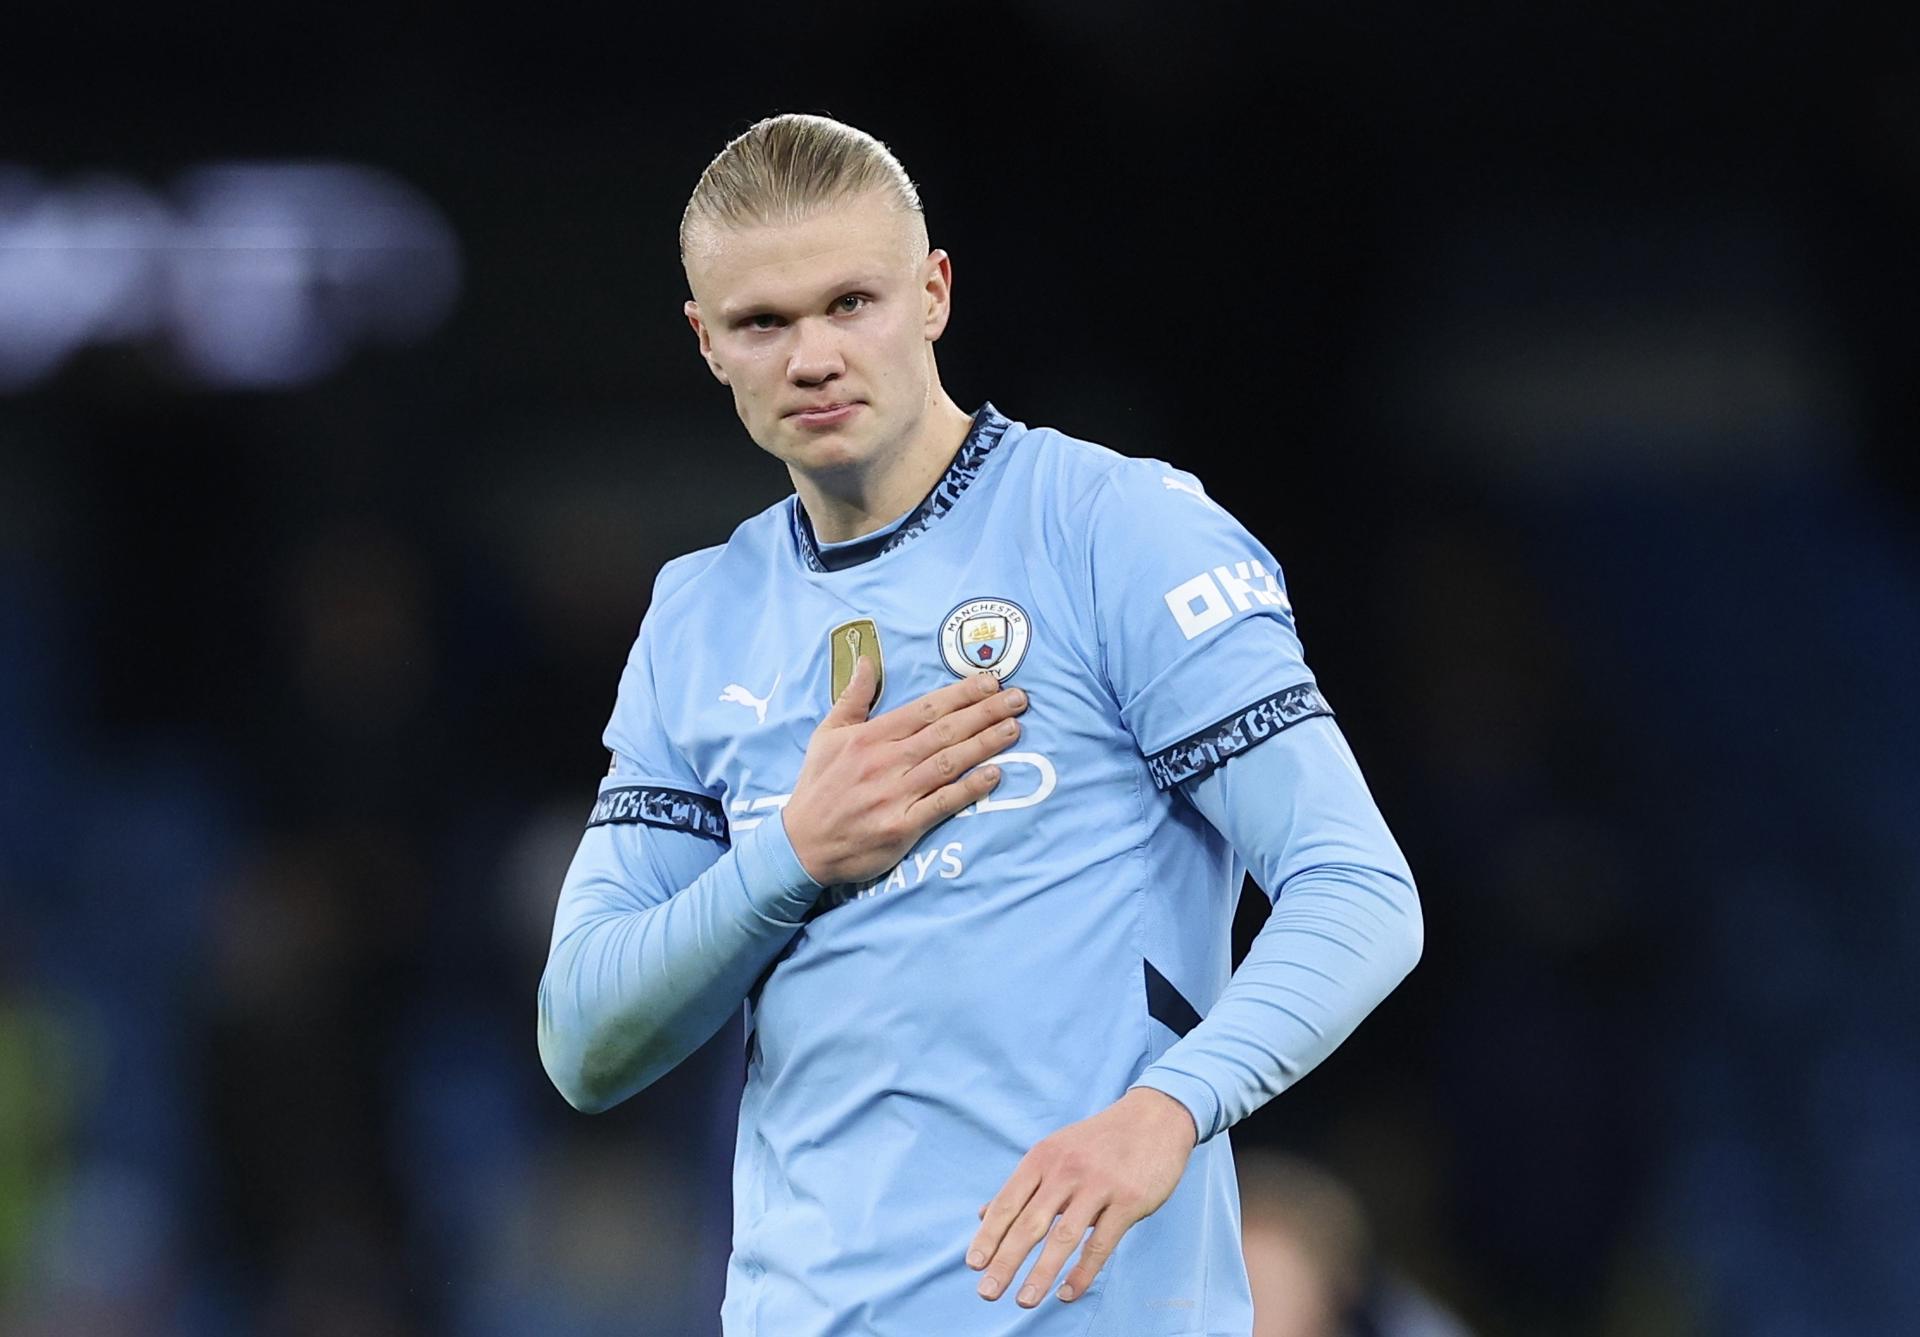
(1182, 485)
(740, 696)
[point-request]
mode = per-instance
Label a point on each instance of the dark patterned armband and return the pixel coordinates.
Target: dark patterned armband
(1206, 751)
(673, 809)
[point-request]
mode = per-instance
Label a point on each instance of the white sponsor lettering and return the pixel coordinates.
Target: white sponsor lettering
(897, 878)
(1027, 778)
(1000, 801)
(741, 805)
(1248, 583)
(1197, 605)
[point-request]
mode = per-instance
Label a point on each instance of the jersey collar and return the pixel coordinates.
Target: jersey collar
(989, 426)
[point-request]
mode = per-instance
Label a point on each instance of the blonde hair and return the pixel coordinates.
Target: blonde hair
(785, 168)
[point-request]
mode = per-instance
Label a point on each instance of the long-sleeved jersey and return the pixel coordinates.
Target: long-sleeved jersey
(1031, 958)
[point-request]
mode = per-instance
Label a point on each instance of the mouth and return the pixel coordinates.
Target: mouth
(825, 415)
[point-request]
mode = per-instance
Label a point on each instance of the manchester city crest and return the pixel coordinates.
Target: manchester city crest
(985, 636)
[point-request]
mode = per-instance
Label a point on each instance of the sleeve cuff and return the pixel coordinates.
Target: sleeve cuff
(1190, 1091)
(778, 886)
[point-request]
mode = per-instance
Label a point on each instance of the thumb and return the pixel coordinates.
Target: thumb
(857, 698)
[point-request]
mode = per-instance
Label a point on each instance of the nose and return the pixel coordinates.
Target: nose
(815, 359)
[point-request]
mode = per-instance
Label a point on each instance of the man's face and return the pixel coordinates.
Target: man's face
(822, 329)
(1292, 1296)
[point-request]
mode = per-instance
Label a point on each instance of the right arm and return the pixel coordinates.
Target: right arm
(656, 939)
(643, 969)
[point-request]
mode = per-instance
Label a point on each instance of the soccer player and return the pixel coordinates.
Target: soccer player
(949, 767)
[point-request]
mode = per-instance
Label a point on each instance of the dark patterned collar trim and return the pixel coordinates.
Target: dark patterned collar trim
(989, 426)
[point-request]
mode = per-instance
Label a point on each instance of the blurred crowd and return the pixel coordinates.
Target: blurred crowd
(1585, 440)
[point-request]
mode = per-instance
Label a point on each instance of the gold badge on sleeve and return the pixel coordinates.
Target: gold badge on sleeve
(849, 642)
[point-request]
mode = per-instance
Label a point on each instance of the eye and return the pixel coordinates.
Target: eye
(849, 304)
(764, 321)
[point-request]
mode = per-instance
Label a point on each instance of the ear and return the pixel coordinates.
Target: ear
(706, 342)
(936, 284)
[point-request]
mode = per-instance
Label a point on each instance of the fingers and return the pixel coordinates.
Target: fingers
(1027, 1229)
(924, 814)
(950, 763)
(855, 700)
(1066, 1234)
(961, 726)
(1107, 1230)
(997, 1215)
(865, 794)
(905, 721)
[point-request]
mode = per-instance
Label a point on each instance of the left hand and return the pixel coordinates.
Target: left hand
(1107, 1172)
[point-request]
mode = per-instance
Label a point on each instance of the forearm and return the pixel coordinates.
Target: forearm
(1337, 943)
(631, 990)
(1345, 929)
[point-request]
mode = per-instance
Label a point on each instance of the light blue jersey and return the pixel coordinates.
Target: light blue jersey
(909, 1039)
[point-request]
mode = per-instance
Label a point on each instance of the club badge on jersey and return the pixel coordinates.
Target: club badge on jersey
(849, 643)
(985, 636)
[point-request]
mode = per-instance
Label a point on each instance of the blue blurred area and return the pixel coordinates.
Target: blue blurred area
(1569, 366)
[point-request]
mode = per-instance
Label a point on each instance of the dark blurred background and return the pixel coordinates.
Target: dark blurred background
(1568, 360)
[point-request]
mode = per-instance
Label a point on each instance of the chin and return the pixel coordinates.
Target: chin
(825, 457)
(838, 448)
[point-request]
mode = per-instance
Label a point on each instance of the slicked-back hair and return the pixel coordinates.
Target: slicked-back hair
(785, 168)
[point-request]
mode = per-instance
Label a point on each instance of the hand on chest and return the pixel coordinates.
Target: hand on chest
(758, 702)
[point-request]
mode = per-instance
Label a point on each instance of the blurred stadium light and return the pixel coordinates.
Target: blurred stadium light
(247, 275)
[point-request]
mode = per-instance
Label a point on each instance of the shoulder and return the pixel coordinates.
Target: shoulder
(1098, 485)
(746, 548)
(1067, 460)
(685, 587)
(681, 574)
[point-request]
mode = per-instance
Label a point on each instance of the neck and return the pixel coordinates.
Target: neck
(848, 503)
